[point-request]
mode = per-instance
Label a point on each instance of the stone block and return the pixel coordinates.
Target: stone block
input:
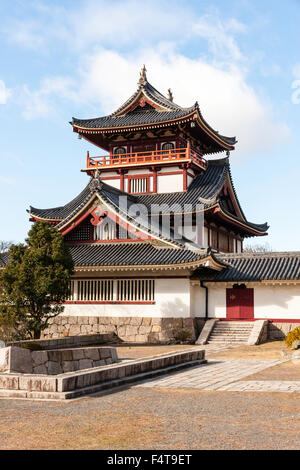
(9, 382)
(41, 384)
(41, 369)
(136, 321)
(85, 364)
(69, 366)
(131, 330)
(73, 320)
(85, 329)
(54, 356)
(156, 329)
(74, 330)
(121, 331)
(53, 368)
(141, 338)
(93, 320)
(67, 355)
(145, 330)
(4, 359)
(19, 360)
(92, 353)
(105, 352)
(99, 363)
(104, 320)
(146, 321)
(77, 354)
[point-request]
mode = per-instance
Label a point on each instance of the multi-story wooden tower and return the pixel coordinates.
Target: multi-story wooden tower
(158, 159)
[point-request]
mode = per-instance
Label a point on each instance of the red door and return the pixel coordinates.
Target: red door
(240, 304)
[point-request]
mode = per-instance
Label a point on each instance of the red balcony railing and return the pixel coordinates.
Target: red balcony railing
(149, 157)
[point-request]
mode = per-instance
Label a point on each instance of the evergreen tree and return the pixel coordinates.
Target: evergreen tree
(35, 282)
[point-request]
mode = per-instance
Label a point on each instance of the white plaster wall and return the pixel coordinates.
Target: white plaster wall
(137, 171)
(172, 299)
(169, 183)
(273, 302)
(217, 302)
(197, 301)
(282, 302)
(167, 169)
(113, 183)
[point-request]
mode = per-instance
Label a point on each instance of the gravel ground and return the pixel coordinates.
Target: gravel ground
(154, 419)
(147, 418)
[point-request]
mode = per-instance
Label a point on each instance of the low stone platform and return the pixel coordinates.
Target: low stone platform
(80, 383)
(53, 362)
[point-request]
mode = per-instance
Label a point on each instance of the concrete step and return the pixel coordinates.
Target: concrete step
(236, 332)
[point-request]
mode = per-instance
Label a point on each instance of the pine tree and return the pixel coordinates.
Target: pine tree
(35, 282)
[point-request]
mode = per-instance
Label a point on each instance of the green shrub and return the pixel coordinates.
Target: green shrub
(292, 336)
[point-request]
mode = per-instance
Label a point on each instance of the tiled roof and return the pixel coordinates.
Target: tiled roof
(166, 111)
(203, 190)
(132, 119)
(61, 212)
(151, 93)
(246, 267)
(127, 254)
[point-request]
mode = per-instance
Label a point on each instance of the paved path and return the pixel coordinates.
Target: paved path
(214, 375)
(263, 386)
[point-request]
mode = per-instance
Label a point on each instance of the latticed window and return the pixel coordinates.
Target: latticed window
(223, 241)
(138, 185)
(135, 290)
(111, 290)
(95, 290)
(81, 233)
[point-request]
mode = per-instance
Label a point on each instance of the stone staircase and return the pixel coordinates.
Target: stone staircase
(233, 332)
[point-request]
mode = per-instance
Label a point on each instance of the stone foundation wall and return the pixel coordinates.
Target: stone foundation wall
(127, 329)
(278, 331)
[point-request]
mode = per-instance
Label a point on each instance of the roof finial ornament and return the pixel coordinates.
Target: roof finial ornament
(170, 95)
(143, 77)
(95, 183)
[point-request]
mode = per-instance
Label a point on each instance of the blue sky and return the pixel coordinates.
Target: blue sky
(239, 59)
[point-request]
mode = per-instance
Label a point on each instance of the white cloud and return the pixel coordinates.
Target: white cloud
(41, 102)
(5, 93)
(99, 31)
(7, 180)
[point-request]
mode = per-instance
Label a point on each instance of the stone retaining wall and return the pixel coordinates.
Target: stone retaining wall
(278, 331)
(128, 329)
(55, 362)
